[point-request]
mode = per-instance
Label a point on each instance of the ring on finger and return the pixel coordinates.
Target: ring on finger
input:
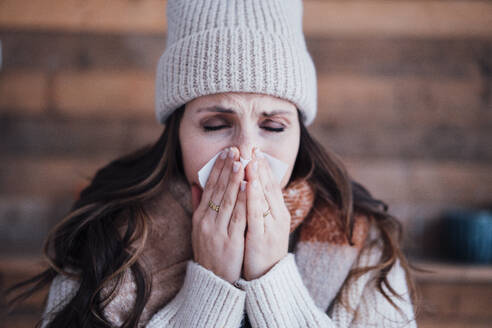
(213, 206)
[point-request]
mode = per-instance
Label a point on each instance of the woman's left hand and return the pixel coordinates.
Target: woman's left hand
(267, 238)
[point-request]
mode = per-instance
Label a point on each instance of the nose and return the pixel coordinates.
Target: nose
(245, 150)
(246, 141)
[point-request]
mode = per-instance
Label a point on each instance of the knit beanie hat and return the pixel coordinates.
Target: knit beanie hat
(218, 46)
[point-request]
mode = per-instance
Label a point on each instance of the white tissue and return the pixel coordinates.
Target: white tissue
(278, 167)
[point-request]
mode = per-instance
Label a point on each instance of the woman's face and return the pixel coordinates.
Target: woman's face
(213, 122)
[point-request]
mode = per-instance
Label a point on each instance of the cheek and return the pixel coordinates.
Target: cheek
(190, 154)
(190, 158)
(195, 154)
(286, 151)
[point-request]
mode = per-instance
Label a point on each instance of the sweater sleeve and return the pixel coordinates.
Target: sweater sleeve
(279, 298)
(204, 300)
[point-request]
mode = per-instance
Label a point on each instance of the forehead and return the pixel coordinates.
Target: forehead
(241, 102)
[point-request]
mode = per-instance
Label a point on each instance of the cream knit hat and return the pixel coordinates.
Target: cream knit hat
(218, 46)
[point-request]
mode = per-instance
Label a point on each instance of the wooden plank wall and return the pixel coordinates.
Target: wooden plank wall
(405, 98)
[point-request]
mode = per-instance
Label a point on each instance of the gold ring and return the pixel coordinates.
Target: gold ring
(267, 212)
(213, 206)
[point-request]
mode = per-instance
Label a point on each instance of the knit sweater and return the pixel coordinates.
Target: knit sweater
(298, 291)
(277, 299)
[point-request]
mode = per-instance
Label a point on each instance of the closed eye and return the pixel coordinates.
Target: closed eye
(219, 127)
(214, 128)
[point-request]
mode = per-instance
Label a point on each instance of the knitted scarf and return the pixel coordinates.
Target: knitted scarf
(322, 251)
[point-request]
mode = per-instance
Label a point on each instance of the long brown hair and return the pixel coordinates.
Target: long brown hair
(88, 246)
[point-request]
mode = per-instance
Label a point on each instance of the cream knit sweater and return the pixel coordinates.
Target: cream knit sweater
(277, 299)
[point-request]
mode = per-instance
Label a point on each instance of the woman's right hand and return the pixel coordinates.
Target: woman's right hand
(218, 237)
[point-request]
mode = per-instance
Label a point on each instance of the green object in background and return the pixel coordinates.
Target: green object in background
(469, 235)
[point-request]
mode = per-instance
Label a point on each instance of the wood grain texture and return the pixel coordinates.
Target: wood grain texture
(92, 15)
(24, 91)
(374, 18)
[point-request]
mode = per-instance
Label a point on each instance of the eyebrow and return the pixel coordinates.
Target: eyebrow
(219, 109)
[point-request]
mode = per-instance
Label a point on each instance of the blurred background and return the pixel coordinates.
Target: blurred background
(405, 99)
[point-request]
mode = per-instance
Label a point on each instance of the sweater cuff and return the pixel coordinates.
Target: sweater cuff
(279, 298)
(205, 300)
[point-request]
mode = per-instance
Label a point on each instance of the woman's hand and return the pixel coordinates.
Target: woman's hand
(218, 237)
(267, 239)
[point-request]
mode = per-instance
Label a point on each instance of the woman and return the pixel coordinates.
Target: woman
(147, 244)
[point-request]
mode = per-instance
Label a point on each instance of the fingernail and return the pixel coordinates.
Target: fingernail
(223, 155)
(243, 185)
(231, 153)
(258, 154)
(235, 166)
